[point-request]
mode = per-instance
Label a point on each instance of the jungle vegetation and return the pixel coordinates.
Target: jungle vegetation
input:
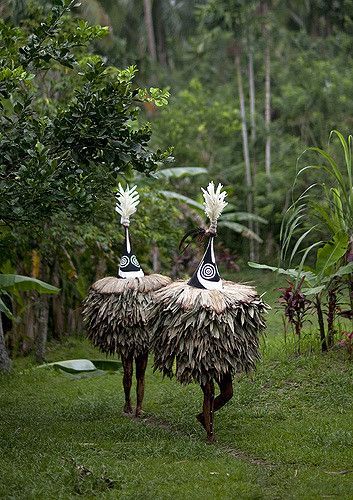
(169, 94)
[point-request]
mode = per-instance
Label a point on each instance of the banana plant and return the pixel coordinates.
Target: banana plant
(11, 283)
(231, 219)
(327, 207)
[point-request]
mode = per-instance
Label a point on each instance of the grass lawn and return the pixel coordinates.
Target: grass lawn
(287, 433)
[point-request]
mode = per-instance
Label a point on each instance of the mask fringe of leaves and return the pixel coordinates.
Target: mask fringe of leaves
(206, 333)
(115, 313)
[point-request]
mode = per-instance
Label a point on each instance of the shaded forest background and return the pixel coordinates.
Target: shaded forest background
(249, 84)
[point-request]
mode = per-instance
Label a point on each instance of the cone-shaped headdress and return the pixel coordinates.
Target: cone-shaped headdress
(127, 201)
(207, 275)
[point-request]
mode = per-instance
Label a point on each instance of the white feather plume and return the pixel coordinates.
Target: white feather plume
(127, 201)
(214, 202)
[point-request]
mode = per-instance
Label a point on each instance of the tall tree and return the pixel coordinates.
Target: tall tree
(252, 99)
(267, 67)
(151, 41)
(246, 153)
(233, 17)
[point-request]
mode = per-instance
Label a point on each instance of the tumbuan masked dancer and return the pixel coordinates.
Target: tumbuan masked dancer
(206, 330)
(115, 310)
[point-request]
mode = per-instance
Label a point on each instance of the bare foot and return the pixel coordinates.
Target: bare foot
(201, 419)
(127, 408)
(138, 412)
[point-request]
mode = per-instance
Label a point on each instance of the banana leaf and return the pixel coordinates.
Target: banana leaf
(11, 282)
(77, 366)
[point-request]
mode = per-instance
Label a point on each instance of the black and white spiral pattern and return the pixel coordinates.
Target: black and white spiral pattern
(208, 271)
(134, 261)
(124, 262)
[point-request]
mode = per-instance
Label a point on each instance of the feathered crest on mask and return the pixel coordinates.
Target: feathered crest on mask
(127, 201)
(214, 203)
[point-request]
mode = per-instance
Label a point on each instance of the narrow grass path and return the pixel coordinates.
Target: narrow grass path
(155, 422)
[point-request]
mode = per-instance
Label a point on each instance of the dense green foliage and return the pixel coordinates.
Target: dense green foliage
(71, 128)
(310, 92)
(69, 122)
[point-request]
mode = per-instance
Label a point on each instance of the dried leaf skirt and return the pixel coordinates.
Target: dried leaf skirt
(115, 313)
(208, 333)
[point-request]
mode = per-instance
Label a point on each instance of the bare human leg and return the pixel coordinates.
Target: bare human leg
(141, 365)
(207, 414)
(127, 380)
(226, 391)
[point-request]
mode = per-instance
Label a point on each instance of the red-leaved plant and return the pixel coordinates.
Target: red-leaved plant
(296, 306)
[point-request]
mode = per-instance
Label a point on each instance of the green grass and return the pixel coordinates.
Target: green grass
(287, 433)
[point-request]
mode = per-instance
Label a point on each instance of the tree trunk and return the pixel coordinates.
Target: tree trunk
(253, 143)
(5, 362)
(156, 263)
(23, 329)
(58, 325)
(29, 323)
(320, 318)
(42, 317)
(29, 317)
(252, 97)
(74, 320)
(267, 57)
(14, 340)
(160, 31)
(18, 306)
(244, 129)
(151, 42)
(268, 115)
(267, 65)
(41, 336)
(101, 268)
